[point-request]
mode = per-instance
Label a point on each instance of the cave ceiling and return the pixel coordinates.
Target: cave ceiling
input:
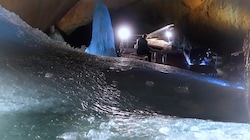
(221, 24)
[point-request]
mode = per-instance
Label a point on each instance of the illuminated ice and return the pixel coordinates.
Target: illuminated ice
(50, 91)
(102, 42)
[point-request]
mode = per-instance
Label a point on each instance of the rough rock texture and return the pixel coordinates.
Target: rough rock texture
(39, 13)
(82, 13)
(220, 22)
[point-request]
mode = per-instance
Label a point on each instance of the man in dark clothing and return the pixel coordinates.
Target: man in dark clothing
(143, 48)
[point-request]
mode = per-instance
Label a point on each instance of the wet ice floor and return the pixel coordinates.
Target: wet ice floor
(72, 127)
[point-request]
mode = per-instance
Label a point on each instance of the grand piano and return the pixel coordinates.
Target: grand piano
(160, 43)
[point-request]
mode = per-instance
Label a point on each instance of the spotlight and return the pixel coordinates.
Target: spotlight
(168, 34)
(124, 32)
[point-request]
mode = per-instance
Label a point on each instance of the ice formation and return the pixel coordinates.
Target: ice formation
(102, 42)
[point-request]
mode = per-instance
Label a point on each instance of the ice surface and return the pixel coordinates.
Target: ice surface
(163, 128)
(102, 42)
(50, 91)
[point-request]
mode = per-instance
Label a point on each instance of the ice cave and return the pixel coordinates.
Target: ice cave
(54, 91)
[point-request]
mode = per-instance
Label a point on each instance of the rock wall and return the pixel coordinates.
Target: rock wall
(39, 13)
(82, 13)
(221, 22)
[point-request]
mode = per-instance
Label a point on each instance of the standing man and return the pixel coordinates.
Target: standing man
(143, 48)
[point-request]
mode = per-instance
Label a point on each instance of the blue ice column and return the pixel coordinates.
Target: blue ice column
(102, 42)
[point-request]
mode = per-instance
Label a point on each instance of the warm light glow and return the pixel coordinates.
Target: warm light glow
(124, 32)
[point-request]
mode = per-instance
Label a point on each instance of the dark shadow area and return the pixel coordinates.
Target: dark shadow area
(80, 36)
(183, 95)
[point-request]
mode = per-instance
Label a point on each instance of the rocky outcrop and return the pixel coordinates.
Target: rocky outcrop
(220, 22)
(39, 13)
(82, 13)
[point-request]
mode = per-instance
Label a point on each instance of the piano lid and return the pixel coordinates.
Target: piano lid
(160, 33)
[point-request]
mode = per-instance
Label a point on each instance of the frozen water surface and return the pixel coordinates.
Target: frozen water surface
(50, 91)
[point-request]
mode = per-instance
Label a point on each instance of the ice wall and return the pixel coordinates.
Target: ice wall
(102, 42)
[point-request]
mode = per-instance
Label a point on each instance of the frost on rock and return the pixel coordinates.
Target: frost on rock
(14, 28)
(102, 42)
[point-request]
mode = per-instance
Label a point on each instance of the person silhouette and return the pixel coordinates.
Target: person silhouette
(143, 48)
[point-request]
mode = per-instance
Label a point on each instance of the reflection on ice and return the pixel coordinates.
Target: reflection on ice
(68, 136)
(161, 128)
(49, 126)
